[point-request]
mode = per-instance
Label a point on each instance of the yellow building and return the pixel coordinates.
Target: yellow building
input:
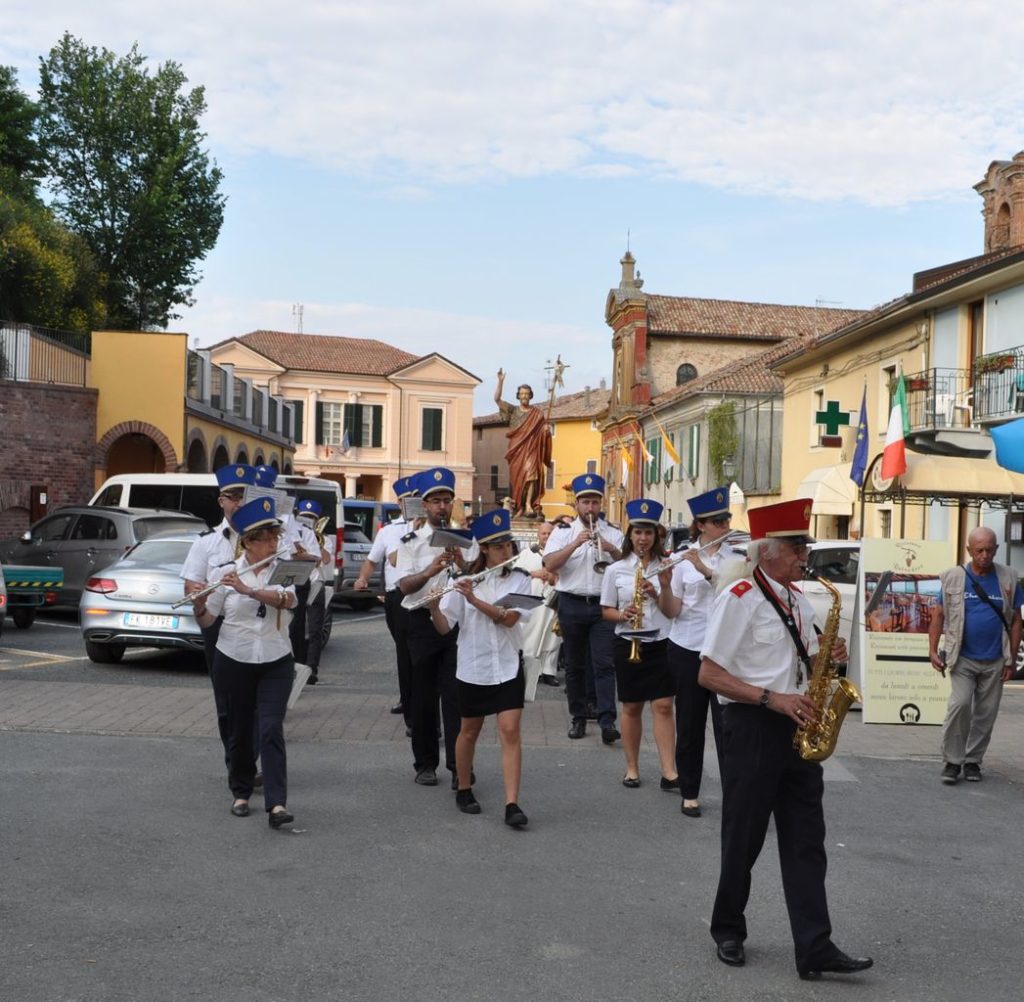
(163, 407)
(575, 449)
(366, 412)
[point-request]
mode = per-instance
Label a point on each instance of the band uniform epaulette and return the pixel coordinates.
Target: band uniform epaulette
(207, 533)
(521, 570)
(408, 536)
(741, 588)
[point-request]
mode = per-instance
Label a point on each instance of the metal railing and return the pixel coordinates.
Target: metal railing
(999, 385)
(43, 355)
(939, 398)
(194, 376)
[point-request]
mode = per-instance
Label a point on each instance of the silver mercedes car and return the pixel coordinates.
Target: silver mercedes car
(128, 604)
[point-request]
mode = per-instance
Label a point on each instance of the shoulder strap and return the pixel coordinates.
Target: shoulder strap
(979, 591)
(787, 619)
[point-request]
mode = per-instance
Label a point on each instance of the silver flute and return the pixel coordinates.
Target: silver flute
(680, 555)
(436, 593)
(216, 584)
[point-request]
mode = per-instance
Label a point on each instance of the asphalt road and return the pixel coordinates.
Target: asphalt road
(125, 877)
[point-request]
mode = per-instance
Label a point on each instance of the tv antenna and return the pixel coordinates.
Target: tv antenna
(297, 310)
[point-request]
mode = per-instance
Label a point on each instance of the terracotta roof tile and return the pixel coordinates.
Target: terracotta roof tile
(326, 352)
(727, 318)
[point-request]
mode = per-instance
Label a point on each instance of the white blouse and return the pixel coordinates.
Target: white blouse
(244, 634)
(488, 654)
(617, 590)
(697, 595)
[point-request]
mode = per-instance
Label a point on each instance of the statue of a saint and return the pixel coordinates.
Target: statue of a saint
(529, 446)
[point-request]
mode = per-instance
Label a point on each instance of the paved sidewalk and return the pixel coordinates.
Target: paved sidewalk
(330, 713)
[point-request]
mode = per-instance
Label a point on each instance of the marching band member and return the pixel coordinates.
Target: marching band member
(489, 673)
(756, 657)
(572, 554)
(253, 665)
(541, 644)
(423, 568)
(641, 666)
(307, 513)
(687, 603)
(385, 543)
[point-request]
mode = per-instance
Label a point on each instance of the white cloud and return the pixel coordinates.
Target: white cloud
(873, 101)
(479, 344)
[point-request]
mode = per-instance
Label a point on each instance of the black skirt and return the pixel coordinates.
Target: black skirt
(483, 700)
(649, 679)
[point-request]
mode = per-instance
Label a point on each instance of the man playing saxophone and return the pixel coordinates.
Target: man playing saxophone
(756, 656)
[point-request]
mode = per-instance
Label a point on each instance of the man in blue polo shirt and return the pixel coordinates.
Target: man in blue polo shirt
(980, 622)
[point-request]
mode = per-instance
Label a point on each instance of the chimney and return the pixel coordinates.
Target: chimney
(602, 385)
(586, 397)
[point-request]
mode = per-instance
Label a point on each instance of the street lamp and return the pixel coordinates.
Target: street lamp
(729, 468)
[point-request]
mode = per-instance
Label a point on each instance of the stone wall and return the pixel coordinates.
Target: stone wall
(666, 354)
(49, 438)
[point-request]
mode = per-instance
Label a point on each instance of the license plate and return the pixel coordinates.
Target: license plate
(149, 621)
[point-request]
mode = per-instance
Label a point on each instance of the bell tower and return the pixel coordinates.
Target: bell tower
(1002, 191)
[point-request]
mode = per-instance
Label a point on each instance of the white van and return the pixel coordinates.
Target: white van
(196, 493)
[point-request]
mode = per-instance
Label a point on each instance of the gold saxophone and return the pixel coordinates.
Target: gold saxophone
(832, 696)
(637, 622)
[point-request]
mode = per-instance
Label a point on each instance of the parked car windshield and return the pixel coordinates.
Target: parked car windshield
(838, 564)
(159, 551)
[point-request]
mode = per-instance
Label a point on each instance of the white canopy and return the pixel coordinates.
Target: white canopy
(830, 489)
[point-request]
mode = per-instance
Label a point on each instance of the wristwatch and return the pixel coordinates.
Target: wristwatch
(765, 696)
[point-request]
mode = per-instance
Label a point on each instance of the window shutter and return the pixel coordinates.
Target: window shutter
(298, 409)
(376, 431)
(353, 421)
(319, 423)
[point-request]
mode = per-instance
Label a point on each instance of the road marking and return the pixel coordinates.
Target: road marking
(47, 659)
(53, 622)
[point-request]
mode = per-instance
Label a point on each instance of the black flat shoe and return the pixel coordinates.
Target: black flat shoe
(550, 680)
(730, 951)
(514, 816)
(839, 964)
(670, 785)
(240, 810)
(689, 810)
(397, 708)
(631, 782)
(278, 818)
(466, 802)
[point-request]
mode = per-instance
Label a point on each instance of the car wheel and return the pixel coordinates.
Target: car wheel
(325, 630)
(361, 604)
(23, 618)
(104, 654)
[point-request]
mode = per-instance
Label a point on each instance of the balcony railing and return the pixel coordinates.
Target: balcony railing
(939, 398)
(999, 385)
(42, 355)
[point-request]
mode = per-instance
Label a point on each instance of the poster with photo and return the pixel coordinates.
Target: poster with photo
(898, 591)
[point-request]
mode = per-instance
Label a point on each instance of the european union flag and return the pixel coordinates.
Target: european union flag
(1009, 442)
(860, 454)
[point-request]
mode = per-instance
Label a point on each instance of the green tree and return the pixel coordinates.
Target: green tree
(127, 171)
(20, 159)
(48, 275)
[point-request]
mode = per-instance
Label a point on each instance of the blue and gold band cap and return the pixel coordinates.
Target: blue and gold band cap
(588, 485)
(437, 479)
(493, 526)
(714, 502)
(256, 514)
(236, 477)
(644, 511)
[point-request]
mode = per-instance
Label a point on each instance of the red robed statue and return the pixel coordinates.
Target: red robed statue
(529, 445)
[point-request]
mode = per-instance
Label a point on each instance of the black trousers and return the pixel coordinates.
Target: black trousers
(692, 704)
(256, 692)
(764, 776)
(432, 677)
(397, 619)
(297, 627)
(210, 635)
(585, 632)
(316, 610)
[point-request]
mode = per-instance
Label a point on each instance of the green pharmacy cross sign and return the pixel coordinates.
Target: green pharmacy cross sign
(832, 418)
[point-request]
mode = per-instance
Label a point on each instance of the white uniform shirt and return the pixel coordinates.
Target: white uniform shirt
(245, 635)
(617, 591)
(488, 654)
(749, 640)
(416, 554)
(212, 550)
(387, 540)
(577, 574)
(307, 538)
(697, 595)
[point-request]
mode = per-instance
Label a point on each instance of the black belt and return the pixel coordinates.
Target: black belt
(588, 599)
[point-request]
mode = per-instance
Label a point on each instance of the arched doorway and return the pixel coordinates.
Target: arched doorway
(221, 456)
(242, 457)
(196, 461)
(259, 460)
(134, 453)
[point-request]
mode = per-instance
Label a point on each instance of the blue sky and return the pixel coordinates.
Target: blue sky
(460, 176)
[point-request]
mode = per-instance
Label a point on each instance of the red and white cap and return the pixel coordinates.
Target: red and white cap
(789, 520)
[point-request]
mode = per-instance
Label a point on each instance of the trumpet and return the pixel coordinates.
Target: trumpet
(680, 555)
(436, 593)
(210, 588)
(601, 559)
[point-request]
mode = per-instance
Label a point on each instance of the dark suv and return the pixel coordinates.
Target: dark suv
(83, 539)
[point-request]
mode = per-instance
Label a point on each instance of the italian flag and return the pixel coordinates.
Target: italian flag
(894, 456)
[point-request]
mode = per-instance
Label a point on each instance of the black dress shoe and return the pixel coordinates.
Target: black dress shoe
(278, 818)
(730, 951)
(839, 964)
(578, 729)
(609, 735)
(426, 777)
(398, 708)
(514, 816)
(240, 810)
(550, 680)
